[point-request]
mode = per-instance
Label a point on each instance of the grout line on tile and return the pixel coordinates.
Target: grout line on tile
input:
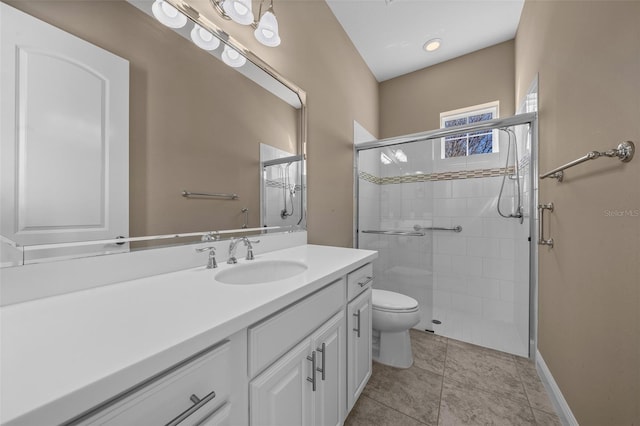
(446, 349)
(397, 411)
(497, 395)
(526, 394)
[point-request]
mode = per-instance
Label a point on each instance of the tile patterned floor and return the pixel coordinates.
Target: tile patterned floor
(454, 383)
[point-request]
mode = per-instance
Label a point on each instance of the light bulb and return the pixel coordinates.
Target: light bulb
(267, 31)
(203, 38)
(239, 11)
(168, 15)
(232, 57)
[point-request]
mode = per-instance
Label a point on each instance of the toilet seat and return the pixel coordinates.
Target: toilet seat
(389, 301)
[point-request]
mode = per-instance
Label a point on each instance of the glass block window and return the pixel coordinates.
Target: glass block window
(464, 144)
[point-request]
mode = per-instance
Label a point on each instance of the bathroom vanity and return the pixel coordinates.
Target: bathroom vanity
(184, 348)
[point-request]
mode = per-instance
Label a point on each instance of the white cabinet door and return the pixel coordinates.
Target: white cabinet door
(330, 346)
(64, 135)
(359, 346)
(219, 418)
(282, 395)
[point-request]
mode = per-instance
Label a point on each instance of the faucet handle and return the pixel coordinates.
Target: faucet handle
(247, 243)
(211, 264)
(200, 250)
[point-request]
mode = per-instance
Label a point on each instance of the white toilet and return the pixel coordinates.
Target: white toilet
(393, 315)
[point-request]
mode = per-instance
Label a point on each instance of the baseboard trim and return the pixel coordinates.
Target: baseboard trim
(557, 399)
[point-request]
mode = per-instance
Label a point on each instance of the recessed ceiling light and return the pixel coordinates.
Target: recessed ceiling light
(432, 44)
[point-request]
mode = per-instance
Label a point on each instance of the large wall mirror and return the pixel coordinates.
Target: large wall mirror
(115, 125)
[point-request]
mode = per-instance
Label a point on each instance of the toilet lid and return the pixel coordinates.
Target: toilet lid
(392, 301)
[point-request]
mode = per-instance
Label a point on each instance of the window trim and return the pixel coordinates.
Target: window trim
(493, 107)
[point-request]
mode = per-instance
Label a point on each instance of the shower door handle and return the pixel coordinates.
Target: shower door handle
(357, 329)
(541, 240)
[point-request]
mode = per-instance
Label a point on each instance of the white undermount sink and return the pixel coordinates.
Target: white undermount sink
(260, 271)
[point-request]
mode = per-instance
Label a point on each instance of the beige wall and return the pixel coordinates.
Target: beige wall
(318, 56)
(210, 143)
(413, 102)
(588, 58)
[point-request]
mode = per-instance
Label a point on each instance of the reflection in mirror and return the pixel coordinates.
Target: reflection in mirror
(191, 123)
(282, 183)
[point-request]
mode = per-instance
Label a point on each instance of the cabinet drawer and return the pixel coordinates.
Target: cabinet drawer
(194, 390)
(359, 280)
(272, 338)
(220, 418)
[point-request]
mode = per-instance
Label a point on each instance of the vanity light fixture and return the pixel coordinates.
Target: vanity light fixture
(203, 38)
(232, 57)
(266, 28)
(432, 45)
(168, 15)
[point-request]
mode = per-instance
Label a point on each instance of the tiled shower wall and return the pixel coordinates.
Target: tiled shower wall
(474, 282)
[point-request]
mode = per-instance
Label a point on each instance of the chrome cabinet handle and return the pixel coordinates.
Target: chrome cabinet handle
(365, 282)
(324, 356)
(312, 379)
(541, 240)
(197, 404)
(357, 315)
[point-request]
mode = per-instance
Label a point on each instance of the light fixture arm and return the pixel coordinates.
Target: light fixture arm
(217, 6)
(269, 9)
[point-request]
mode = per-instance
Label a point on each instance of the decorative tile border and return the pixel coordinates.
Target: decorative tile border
(429, 177)
(369, 177)
(269, 183)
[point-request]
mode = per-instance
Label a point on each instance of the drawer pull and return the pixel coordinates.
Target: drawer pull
(312, 379)
(197, 404)
(365, 282)
(357, 315)
(324, 356)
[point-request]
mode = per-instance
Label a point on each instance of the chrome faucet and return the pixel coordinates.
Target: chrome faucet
(233, 244)
(211, 264)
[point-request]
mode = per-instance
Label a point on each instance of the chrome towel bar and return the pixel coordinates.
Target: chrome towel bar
(405, 233)
(188, 194)
(624, 152)
(418, 231)
(456, 228)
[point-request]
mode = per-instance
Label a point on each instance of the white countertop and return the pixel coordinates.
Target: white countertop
(61, 355)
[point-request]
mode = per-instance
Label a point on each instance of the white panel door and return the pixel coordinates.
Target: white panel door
(282, 395)
(359, 346)
(65, 135)
(330, 344)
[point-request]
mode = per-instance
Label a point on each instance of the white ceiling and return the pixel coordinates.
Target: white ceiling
(390, 34)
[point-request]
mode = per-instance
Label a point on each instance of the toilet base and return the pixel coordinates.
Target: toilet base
(394, 349)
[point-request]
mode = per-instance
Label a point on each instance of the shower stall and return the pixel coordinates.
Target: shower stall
(454, 230)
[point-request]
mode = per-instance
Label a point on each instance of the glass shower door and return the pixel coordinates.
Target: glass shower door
(393, 198)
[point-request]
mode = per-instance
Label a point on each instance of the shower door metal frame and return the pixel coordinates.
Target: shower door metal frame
(530, 119)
